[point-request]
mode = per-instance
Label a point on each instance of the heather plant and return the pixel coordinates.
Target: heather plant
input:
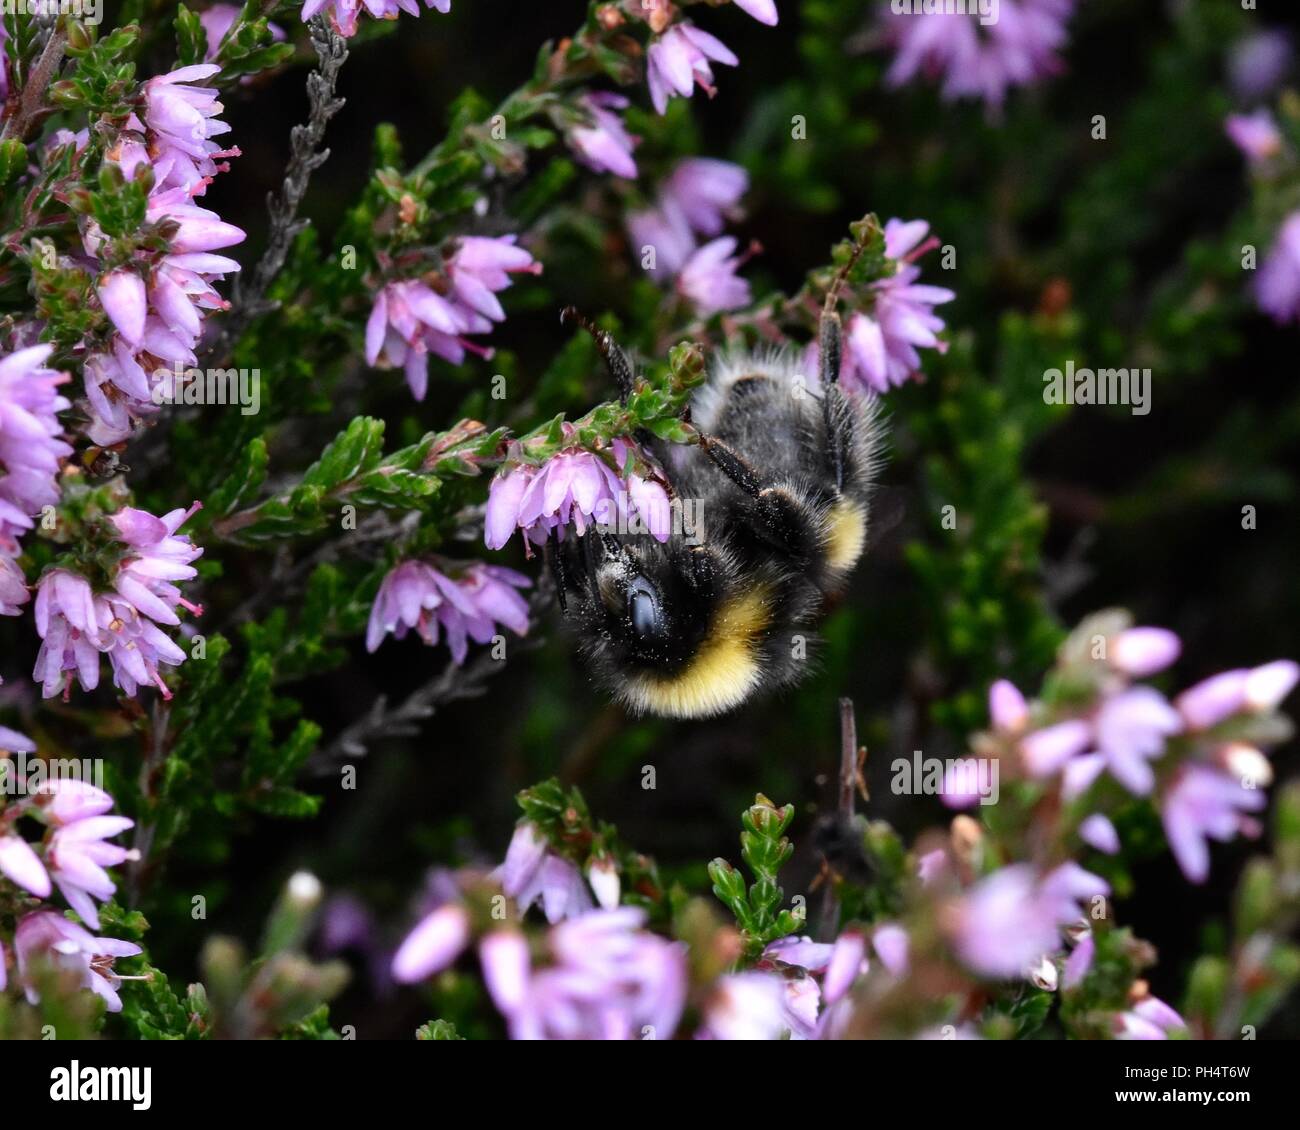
(287, 487)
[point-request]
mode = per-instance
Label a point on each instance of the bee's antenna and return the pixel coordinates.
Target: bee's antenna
(615, 359)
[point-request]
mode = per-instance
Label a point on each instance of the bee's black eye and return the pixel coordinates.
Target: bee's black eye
(643, 608)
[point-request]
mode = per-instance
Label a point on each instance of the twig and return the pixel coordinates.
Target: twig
(852, 783)
(29, 102)
(249, 301)
(452, 684)
(142, 840)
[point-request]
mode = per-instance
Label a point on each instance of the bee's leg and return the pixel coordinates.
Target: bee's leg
(777, 517)
(555, 559)
(610, 351)
(839, 421)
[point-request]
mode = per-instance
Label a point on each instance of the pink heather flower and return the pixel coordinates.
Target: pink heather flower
(157, 558)
(974, 59)
(892, 946)
(604, 145)
(574, 486)
(679, 59)
(881, 344)
(217, 21)
(1277, 286)
(839, 964)
(1045, 751)
(1008, 920)
(68, 624)
(1131, 728)
(708, 279)
(134, 644)
(1256, 135)
(77, 855)
(417, 596)
(664, 231)
(611, 980)
(1098, 832)
(122, 295)
(746, 1006)
(11, 741)
(1204, 804)
(4, 93)
(1140, 652)
(1151, 1019)
(66, 800)
(410, 320)
(435, 943)
(764, 11)
(1259, 63)
(21, 865)
(1008, 710)
(13, 588)
(343, 14)
(1079, 961)
(532, 874)
(31, 451)
(1257, 690)
(182, 120)
(704, 192)
(46, 934)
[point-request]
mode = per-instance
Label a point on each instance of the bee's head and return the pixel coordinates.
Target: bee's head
(669, 628)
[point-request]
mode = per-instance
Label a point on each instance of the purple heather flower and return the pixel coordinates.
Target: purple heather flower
(574, 486)
(664, 231)
(417, 596)
(122, 294)
(66, 800)
(1079, 961)
(343, 13)
(1131, 728)
(157, 558)
(1047, 750)
(1259, 63)
(679, 59)
(1256, 135)
(182, 120)
(11, 741)
(611, 980)
(1098, 832)
(1150, 1019)
(892, 946)
(77, 855)
(1202, 804)
(21, 865)
(704, 192)
(1065, 887)
(31, 451)
(746, 1006)
(1003, 925)
(708, 279)
(1140, 652)
(975, 59)
(532, 874)
(1008, 710)
(1277, 286)
(217, 21)
(881, 344)
(134, 644)
(4, 93)
(604, 145)
(435, 943)
(43, 933)
(764, 11)
(13, 588)
(1256, 690)
(410, 320)
(67, 622)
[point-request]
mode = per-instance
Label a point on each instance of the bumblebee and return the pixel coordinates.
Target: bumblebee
(780, 483)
